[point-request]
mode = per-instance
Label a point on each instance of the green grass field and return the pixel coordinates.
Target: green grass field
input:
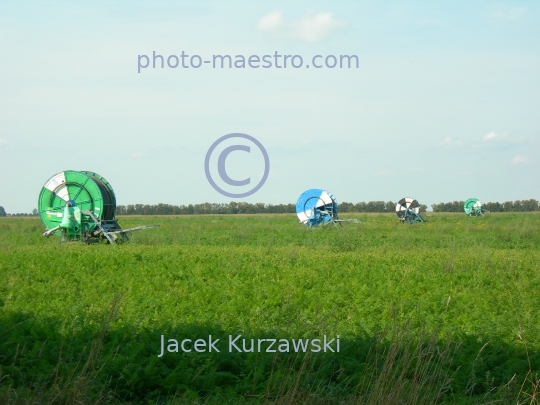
(83, 322)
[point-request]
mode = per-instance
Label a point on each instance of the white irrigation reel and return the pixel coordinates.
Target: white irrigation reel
(408, 210)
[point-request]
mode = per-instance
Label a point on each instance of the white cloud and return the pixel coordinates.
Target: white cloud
(518, 159)
(450, 141)
(508, 13)
(137, 154)
(383, 173)
(311, 27)
(271, 21)
(493, 135)
(314, 27)
(3, 141)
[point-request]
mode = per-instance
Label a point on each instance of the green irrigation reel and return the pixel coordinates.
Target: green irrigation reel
(81, 206)
(473, 207)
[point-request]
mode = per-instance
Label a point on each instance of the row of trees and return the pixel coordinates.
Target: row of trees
(204, 208)
(3, 213)
(260, 208)
(245, 208)
(373, 206)
(508, 206)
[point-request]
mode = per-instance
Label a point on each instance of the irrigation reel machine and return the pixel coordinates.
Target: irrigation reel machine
(81, 206)
(408, 210)
(318, 207)
(473, 207)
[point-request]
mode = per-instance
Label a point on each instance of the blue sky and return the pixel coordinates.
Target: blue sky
(443, 106)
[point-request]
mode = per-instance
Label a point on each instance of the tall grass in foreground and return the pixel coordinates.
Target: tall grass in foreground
(69, 382)
(400, 368)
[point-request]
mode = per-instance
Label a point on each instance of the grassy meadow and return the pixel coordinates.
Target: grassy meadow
(441, 312)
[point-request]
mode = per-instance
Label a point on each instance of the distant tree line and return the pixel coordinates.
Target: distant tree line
(204, 208)
(373, 206)
(261, 208)
(508, 206)
(3, 213)
(245, 208)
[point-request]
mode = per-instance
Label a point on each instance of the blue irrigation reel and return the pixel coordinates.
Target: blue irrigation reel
(318, 207)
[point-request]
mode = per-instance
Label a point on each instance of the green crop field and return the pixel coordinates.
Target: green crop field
(441, 312)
